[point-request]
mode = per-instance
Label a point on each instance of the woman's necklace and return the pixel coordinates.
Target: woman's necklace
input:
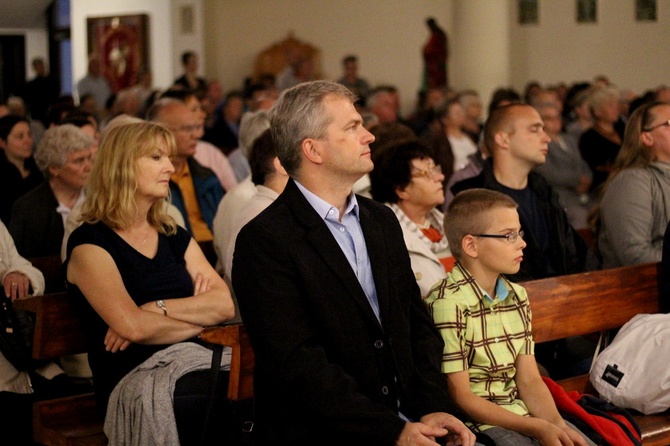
(137, 240)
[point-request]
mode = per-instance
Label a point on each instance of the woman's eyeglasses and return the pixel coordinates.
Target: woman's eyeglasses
(662, 124)
(430, 173)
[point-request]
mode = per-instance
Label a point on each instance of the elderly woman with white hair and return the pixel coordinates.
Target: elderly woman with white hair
(37, 224)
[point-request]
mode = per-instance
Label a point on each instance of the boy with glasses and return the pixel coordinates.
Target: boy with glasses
(485, 322)
(515, 136)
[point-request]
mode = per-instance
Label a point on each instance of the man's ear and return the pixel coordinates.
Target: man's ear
(276, 164)
(311, 149)
(502, 139)
(469, 246)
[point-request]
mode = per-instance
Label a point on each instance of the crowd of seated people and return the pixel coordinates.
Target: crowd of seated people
(592, 173)
(589, 116)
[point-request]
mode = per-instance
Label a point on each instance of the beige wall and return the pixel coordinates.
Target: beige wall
(633, 54)
(386, 35)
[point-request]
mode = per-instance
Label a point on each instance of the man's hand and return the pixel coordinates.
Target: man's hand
(16, 286)
(419, 434)
(459, 434)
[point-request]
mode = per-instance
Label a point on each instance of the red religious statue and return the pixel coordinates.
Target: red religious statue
(435, 53)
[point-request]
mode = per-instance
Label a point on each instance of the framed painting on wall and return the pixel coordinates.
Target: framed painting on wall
(122, 45)
(586, 11)
(528, 12)
(645, 10)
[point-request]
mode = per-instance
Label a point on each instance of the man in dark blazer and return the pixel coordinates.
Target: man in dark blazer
(346, 352)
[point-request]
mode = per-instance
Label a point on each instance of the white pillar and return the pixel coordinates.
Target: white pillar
(480, 47)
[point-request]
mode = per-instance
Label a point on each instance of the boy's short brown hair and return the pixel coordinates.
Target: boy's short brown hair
(467, 214)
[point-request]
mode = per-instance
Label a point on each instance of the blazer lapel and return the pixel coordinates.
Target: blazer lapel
(327, 247)
(375, 241)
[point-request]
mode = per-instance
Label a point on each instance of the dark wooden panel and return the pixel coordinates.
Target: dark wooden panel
(580, 304)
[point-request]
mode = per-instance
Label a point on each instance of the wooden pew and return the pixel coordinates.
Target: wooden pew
(74, 420)
(566, 306)
(52, 268)
(241, 381)
(587, 303)
(66, 421)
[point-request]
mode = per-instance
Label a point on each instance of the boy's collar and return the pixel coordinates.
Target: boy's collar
(501, 290)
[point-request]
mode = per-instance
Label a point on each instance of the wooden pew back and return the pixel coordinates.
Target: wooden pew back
(58, 330)
(241, 380)
(52, 268)
(71, 420)
(582, 304)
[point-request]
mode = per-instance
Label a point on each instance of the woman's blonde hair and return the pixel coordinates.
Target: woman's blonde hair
(112, 188)
(633, 152)
(599, 96)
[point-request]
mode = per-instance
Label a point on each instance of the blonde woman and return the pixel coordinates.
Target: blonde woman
(143, 285)
(600, 144)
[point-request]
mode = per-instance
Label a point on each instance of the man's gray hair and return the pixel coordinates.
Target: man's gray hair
(374, 98)
(299, 114)
(252, 125)
(57, 143)
(155, 113)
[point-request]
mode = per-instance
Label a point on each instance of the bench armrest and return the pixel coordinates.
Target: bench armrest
(241, 380)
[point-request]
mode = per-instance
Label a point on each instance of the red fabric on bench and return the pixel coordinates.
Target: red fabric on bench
(566, 402)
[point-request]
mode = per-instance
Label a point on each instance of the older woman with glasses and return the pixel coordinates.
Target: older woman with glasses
(635, 206)
(407, 179)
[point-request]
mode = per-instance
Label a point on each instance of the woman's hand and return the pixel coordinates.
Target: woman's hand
(16, 286)
(201, 285)
(114, 342)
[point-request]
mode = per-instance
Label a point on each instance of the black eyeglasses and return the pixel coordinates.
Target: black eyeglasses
(662, 124)
(511, 237)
